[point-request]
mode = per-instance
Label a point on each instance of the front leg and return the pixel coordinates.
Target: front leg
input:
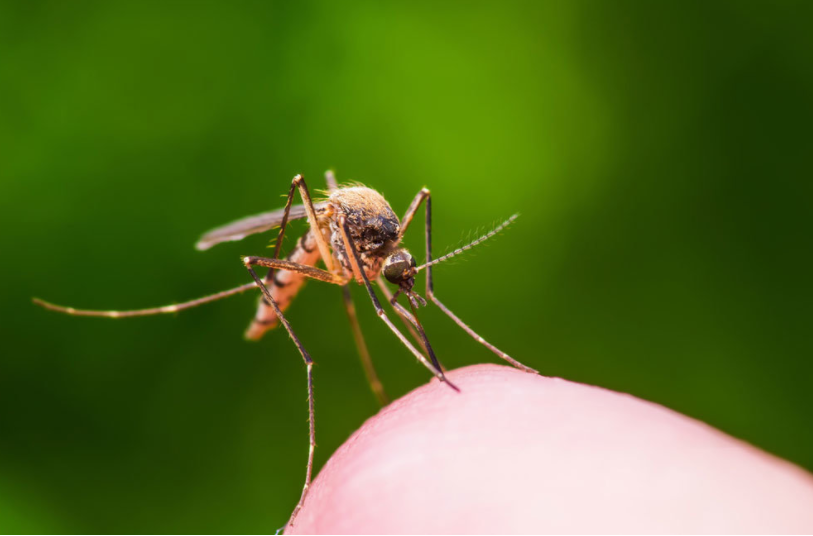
(430, 288)
(355, 263)
(408, 323)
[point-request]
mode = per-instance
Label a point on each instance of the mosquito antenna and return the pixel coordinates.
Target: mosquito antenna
(470, 245)
(144, 312)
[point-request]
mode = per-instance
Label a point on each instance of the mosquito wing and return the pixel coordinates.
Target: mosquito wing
(237, 230)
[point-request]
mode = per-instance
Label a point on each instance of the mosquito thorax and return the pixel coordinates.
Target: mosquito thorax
(399, 268)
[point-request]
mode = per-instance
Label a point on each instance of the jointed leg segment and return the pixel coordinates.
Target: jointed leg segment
(309, 365)
(309, 271)
(355, 262)
(424, 195)
(145, 312)
(408, 323)
(298, 183)
(304, 269)
(364, 354)
(332, 275)
(413, 209)
(324, 250)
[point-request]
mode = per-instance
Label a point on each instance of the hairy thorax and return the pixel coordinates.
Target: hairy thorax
(373, 227)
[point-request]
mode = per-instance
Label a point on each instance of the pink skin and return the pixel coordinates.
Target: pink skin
(519, 453)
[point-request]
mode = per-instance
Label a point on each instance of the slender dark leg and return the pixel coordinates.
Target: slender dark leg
(145, 312)
(408, 322)
(364, 353)
(417, 323)
(413, 209)
(284, 222)
(430, 290)
(309, 364)
(297, 182)
(321, 275)
(355, 262)
(269, 277)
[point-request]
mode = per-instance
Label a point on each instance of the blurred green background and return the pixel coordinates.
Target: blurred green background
(659, 153)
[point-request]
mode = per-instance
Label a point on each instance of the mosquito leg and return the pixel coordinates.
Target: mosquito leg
(145, 312)
(284, 222)
(286, 278)
(413, 209)
(294, 184)
(304, 269)
(364, 354)
(430, 290)
(297, 182)
(309, 365)
(410, 320)
(355, 262)
(417, 323)
(269, 277)
(481, 340)
(324, 250)
(264, 318)
(401, 313)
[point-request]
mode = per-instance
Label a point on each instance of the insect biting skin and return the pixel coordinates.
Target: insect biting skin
(356, 235)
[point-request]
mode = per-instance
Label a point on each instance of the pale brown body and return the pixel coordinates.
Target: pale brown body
(283, 286)
(374, 228)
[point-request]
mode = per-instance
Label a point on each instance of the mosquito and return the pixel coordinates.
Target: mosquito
(356, 236)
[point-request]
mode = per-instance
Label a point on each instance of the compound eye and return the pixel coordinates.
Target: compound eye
(398, 268)
(396, 271)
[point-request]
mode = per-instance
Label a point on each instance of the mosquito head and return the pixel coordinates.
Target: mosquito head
(399, 269)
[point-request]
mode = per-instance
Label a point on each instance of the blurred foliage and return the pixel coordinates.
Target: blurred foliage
(659, 153)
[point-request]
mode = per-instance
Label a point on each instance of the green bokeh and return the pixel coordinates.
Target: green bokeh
(659, 153)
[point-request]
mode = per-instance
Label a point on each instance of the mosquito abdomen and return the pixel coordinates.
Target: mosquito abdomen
(283, 286)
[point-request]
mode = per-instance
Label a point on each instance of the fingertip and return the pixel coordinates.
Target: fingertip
(519, 452)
